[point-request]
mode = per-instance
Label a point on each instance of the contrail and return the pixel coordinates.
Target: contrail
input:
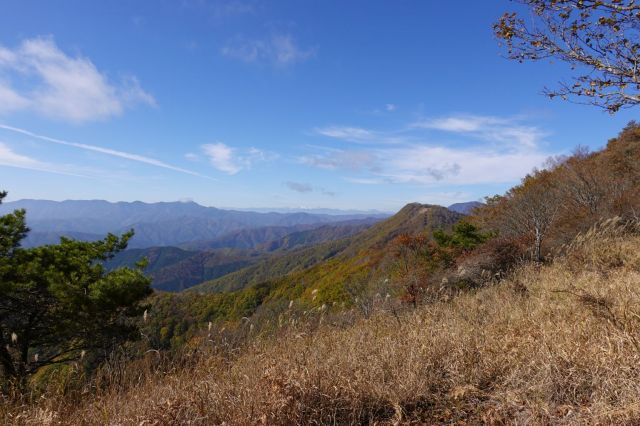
(107, 151)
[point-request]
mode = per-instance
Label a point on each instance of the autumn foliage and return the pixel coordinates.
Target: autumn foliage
(551, 206)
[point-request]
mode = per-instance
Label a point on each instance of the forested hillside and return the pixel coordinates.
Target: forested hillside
(176, 269)
(413, 218)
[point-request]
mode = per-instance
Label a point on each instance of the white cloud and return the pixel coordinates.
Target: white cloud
(221, 157)
(278, 49)
(231, 160)
(360, 135)
(351, 134)
(10, 158)
(10, 100)
(492, 129)
(390, 107)
(459, 166)
(101, 150)
(430, 165)
(62, 87)
(354, 160)
(495, 150)
(367, 181)
(457, 124)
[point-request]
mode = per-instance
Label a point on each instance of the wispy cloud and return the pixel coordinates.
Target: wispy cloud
(299, 186)
(304, 188)
(351, 134)
(40, 77)
(101, 150)
(492, 150)
(340, 159)
(367, 181)
(231, 160)
(277, 49)
(492, 129)
(458, 166)
(362, 136)
(496, 130)
(10, 100)
(221, 9)
(221, 157)
(10, 158)
(446, 166)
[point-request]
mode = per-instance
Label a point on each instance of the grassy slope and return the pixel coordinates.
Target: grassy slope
(552, 344)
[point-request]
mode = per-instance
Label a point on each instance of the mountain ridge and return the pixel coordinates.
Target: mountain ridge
(179, 268)
(156, 224)
(411, 219)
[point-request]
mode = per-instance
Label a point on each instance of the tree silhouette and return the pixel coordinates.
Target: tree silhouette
(598, 39)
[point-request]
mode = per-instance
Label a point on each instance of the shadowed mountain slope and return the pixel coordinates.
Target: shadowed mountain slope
(412, 219)
(176, 269)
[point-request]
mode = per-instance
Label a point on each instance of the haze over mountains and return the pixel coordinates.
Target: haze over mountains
(465, 208)
(187, 244)
(337, 260)
(155, 224)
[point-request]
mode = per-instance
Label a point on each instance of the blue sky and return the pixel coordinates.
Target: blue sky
(240, 103)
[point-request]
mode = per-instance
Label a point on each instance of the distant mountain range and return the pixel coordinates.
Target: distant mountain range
(249, 257)
(215, 250)
(155, 224)
(332, 255)
(315, 211)
(465, 208)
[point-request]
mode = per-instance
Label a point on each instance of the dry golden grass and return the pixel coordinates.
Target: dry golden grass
(555, 344)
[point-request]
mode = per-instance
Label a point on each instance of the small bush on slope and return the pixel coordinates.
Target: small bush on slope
(552, 344)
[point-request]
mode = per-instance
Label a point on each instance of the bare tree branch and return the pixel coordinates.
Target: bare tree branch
(598, 39)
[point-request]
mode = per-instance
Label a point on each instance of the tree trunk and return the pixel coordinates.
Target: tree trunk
(8, 367)
(538, 246)
(7, 362)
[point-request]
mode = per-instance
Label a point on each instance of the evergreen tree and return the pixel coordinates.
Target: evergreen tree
(59, 304)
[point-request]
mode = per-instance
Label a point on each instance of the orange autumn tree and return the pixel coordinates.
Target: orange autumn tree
(413, 255)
